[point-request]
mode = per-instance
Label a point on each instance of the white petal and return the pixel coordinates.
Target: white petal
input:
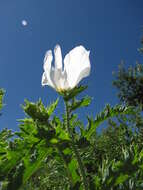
(59, 79)
(46, 78)
(55, 77)
(58, 76)
(48, 60)
(63, 81)
(77, 65)
(58, 57)
(84, 73)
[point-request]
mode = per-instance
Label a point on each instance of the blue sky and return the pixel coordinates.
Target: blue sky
(111, 30)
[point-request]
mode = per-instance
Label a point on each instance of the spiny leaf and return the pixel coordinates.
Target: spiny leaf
(74, 92)
(105, 114)
(61, 133)
(80, 103)
(32, 167)
(38, 111)
(52, 107)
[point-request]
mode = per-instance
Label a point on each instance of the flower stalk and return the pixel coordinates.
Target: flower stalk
(75, 150)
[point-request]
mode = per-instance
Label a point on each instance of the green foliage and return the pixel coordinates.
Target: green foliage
(1, 98)
(107, 112)
(141, 48)
(80, 103)
(73, 93)
(28, 150)
(129, 82)
(48, 153)
(38, 112)
(123, 174)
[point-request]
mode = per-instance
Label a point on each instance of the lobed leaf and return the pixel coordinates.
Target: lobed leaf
(104, 115)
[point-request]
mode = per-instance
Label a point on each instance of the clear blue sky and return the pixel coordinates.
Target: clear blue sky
(110, 29)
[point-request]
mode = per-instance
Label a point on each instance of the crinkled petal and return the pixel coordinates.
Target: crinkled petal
(58, 57)
(59, 79)
(58, 76)
(46, 78)
(77, 65)
(48, 60)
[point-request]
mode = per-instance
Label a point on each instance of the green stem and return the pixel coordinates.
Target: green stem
(77, 155)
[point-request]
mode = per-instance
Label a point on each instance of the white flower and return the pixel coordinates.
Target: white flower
(76, 67)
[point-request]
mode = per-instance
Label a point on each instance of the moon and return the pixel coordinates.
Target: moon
(24, 22)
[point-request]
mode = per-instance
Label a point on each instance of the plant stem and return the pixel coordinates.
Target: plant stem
(77, 155)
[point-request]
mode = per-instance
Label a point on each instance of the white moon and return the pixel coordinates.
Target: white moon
(24, 23)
